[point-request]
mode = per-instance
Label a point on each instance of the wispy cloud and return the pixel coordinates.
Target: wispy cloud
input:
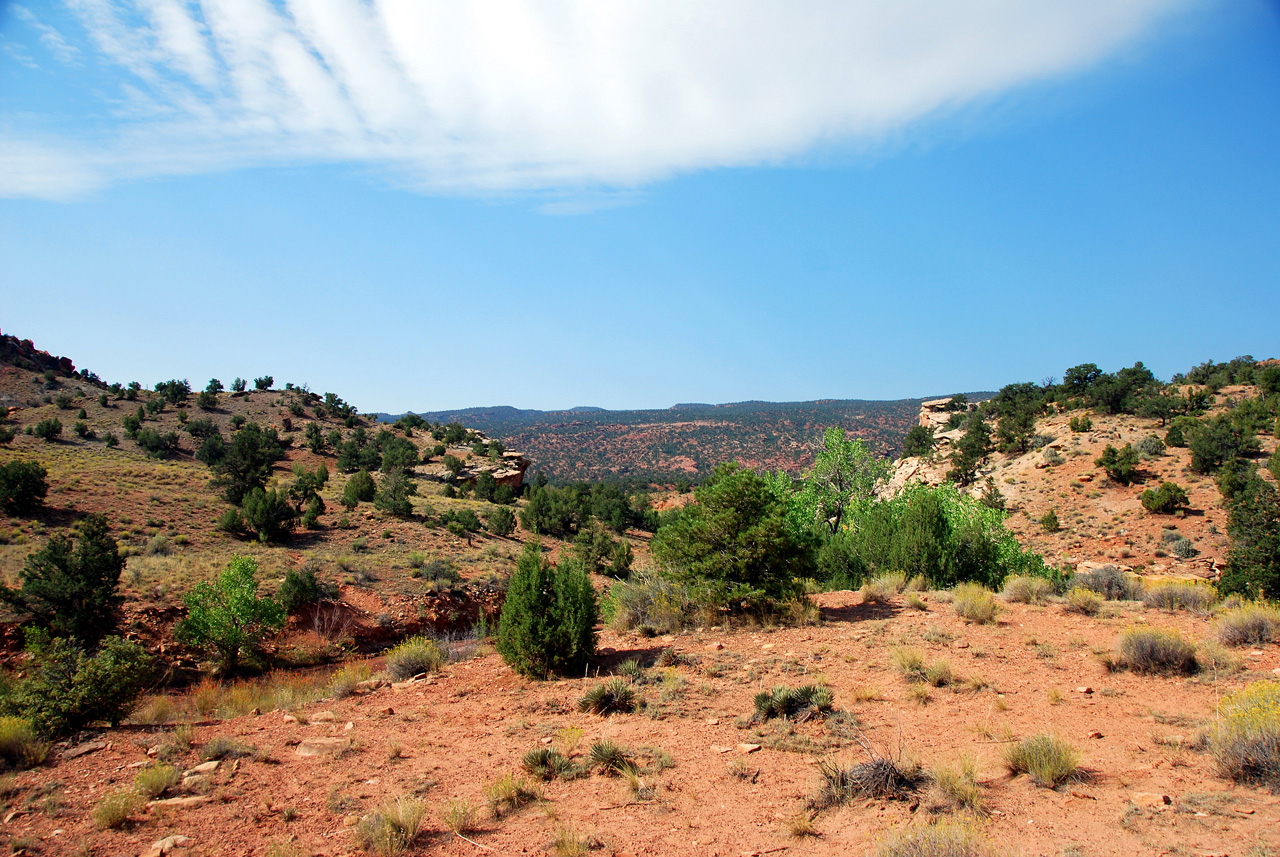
(552, 96)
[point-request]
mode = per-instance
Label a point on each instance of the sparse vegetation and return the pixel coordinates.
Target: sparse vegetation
(1249, 624)
(115, 808)
(1154, 650)
(391, 829)
(798, 703)
(1245, 741)
(1049, 760)
(973, 602)
(415, 656)
(1021, 589)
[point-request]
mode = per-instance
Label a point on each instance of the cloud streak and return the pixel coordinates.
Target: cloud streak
(506, 95)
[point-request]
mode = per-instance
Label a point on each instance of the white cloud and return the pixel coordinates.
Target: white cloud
(524, 95)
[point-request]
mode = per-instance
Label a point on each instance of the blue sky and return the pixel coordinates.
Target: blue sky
(563, 205)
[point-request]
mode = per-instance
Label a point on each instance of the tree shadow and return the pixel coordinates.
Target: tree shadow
(646, 655)
(860, 612)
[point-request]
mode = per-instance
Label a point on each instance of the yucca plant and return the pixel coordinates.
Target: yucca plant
(614, 695)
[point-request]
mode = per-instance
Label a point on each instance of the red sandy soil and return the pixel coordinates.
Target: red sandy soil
(1147, 788)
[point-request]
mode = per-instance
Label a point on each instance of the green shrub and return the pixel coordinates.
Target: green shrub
(1153, 650)
(48, 430)
(1253, 562)
(1081, 424)
(547, 763)
(415, 656)
(263, 383)
(918, 442)
(20, 746)
(67, 687)
(605, 698)
(394, 493)
(228, 618)
(268, 514)
(1049, 521)
(1121, 465)
(359, 488)
(612, 758)
(648, 600)
(300, 588)
(973, 602)
(71, 587)
(509, 792)
(800, 702)
(1049, 760)
(1249, 624)
(548, 618)
(1245, 742)
(1165, 500)
(22, 487)
(155, 444)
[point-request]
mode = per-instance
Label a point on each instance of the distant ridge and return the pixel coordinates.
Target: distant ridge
(687, 440)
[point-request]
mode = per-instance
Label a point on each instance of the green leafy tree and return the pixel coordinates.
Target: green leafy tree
(734, 543)
(1218, 440)
(398, 452)
(1121, 464)
(360, 488)
(22, 487)
(227, 618)
(844, 475)
(155, 444)
(71, 587)
(263, 383)
(548, 618)
(486, 485)
(238, 385)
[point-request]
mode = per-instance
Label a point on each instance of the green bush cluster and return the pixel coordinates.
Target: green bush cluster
(548, 618)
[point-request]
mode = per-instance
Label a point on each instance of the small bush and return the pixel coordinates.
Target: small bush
(1021, 589)
(547, 763)
(300, 588)
(1049, 521)
(973, 602)
(1245, 742)
(1151, 446)
(611, 758)
(20, 746)
(509, 792)
(1180, 595)
(221, 747)
(1183, 548)
(799, 703)
(941, 838)
(48, 430)
(1152, 650)
(548, 619)
(1081, 424)
(1085, 601)
(1249, 624)
(156, 780)
(391, 829)
(883, 587)
(1049, 760)
(881, 778)
(415, 656)
(605, 698)
(459, 816)
(1165, 500)
(908, 662)
(1111, 583)
(958, 786)
(114, 810)
(22, 487)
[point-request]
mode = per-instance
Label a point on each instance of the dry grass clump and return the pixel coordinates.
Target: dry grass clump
(1085, 601)
(115, 808)
(882, 587)
(20, 746)
(908, 662)
(1155, 650)
(973, 602)
(607, 697)
(1181, 595)
(156, 711)
(415, 656)
(1249, 624)
(569, 843)
(1111, 583)
(945, 837)
(1023, 589)
(459, 816)
(510, 792)
(880, 777)
(221, 747)
(390, 830)
(957, 786)
(798, 704)
(1048, 760)
(940, 674)
(343, 682)
(1245, 742)
(156, 780)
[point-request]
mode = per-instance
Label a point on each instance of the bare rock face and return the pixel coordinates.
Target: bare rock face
(323, 746)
